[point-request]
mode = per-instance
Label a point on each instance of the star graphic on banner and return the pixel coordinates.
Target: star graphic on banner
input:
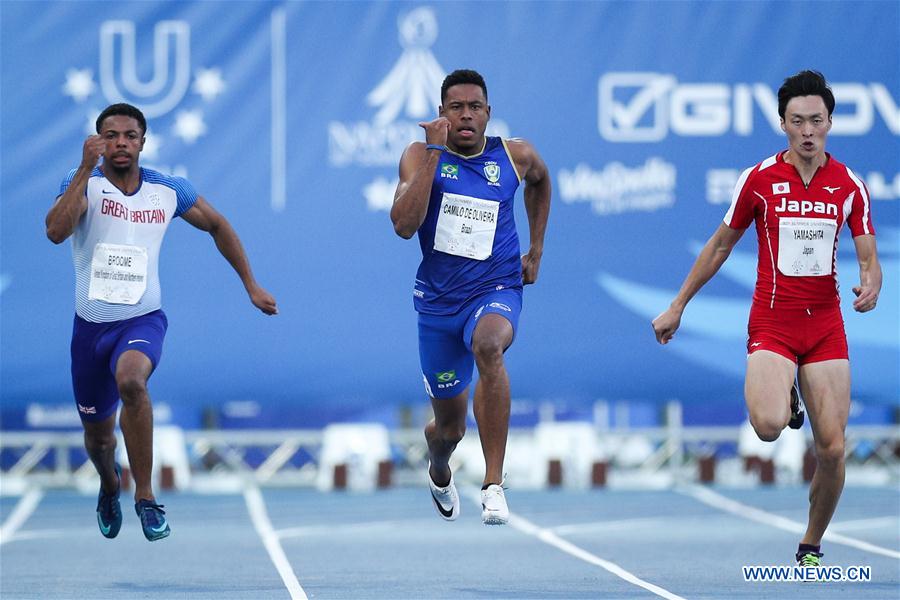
(79, 84)
(380, 194)
(152, 144)
(189, 125)
(208, 83)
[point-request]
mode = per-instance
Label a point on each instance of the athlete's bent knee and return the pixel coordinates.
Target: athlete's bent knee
(767, 429)
(830, 454)
(99, 442)
(131, 388)
(488, 349)
(451, 435)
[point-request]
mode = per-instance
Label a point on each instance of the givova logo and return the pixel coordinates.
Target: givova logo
(646, 107)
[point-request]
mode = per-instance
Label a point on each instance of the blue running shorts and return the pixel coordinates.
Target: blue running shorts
(445, 341)
(96, 348)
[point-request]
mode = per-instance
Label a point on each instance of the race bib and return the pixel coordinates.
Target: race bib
(118, 273)
(806, 246)
(466, 226)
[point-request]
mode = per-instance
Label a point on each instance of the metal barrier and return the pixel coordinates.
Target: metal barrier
(666, 456)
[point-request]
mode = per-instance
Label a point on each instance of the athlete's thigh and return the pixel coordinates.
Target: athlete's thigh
(93, 384)
(767, 386)
(139, 345)
(825, 386)
(495, 316)
(446, 362)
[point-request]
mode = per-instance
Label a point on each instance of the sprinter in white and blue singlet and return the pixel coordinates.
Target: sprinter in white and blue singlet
(457, 191)
(117, 214)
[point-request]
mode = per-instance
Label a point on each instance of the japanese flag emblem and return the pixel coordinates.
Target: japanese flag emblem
(781, 188)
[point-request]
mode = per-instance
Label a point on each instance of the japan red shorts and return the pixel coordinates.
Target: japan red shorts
(803, 335)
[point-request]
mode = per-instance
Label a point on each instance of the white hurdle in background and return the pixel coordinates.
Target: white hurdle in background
(355, 457)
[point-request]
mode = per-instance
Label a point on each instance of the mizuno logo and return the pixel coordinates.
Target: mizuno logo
(136, 341)
(830, 190)
(755, 344)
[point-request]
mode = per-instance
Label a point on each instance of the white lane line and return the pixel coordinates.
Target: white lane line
(350, 528)
(595, 526)
(23, 509)
(549, 537)
(260, 517)
(874, 523)
(711, 498)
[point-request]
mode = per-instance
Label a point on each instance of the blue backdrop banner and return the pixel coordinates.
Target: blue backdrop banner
(290, 118)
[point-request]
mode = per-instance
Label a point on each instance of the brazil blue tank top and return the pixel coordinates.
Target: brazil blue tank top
(471, 201)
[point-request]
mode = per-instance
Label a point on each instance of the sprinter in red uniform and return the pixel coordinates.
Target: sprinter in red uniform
(799, 199)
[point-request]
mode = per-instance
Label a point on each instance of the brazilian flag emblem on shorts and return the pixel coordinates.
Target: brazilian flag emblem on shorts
(449, 171)
(445, 376)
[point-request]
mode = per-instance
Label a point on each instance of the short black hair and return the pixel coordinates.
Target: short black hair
(123, 109)
(463, 76)
(805, 83)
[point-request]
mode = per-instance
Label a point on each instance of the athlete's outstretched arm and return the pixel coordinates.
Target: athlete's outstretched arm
(869, 274)
(708, 263)
(538, 190)
(417, 167)
(205, 218)
(66, 212)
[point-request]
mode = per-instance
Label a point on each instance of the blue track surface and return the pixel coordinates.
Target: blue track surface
(391, 544)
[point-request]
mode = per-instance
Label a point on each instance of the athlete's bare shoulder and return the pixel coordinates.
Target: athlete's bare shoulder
(527, 160)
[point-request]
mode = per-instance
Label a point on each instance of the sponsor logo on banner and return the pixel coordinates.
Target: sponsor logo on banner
(647, 107)
(720, 185)
(616, 189)
(408, 94)
(178, 119)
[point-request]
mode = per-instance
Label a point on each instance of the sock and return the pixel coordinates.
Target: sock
(804, 548)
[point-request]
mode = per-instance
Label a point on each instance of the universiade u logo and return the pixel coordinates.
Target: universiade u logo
(171, 66)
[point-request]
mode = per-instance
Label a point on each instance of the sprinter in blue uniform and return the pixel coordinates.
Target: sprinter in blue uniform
(456, 191)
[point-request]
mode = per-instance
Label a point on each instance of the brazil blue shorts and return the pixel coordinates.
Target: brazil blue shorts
(96, 348)
(445, 341)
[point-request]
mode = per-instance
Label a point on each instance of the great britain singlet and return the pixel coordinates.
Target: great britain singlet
(115, 246)
(468, 238)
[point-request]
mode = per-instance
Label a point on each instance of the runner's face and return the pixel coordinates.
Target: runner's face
(468, 112)
(124, 141)
(806, 123)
